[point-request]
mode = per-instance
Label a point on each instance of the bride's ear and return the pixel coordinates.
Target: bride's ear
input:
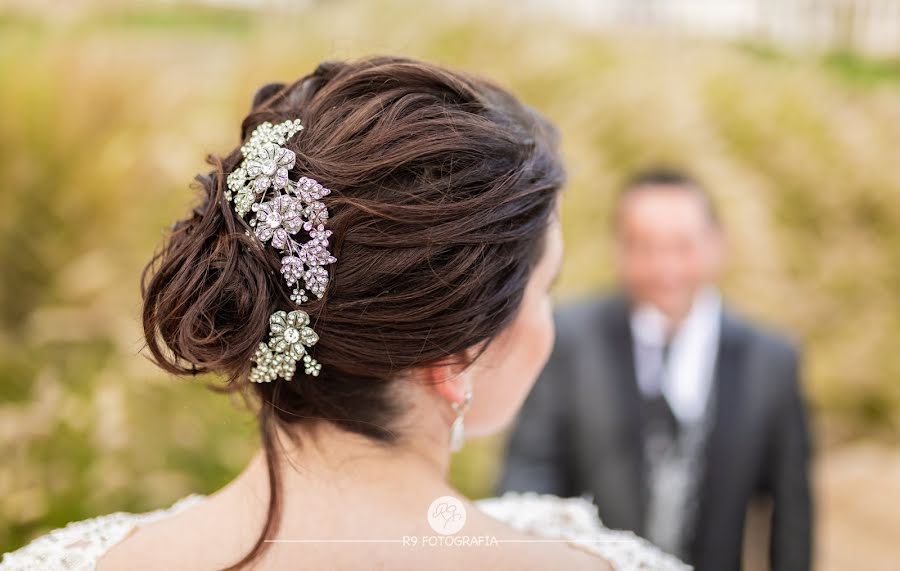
(450, 379)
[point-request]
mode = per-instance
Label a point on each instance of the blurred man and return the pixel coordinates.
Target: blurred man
(672, 412)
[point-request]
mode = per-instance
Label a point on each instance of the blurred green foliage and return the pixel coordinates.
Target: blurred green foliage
(107, 114)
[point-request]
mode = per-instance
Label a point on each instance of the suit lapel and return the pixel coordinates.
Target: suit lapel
(628, 397)
(724, 432)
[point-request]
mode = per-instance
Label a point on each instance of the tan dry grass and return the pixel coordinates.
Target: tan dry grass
(107, 114)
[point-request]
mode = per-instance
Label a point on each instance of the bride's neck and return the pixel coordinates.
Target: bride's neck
(335, 451)
(323, 454)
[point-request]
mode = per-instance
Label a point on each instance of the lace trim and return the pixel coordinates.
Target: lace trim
(79, 545)
(575, 520)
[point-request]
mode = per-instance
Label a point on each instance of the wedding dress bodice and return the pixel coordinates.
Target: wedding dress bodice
(79, 545)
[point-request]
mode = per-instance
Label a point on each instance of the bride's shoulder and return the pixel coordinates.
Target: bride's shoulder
(79, 545)
(575, 521)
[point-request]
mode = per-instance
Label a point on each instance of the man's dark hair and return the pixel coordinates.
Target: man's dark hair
(667, 179)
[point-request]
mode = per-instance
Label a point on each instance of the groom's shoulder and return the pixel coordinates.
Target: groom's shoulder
(589, 312)
(762, 336)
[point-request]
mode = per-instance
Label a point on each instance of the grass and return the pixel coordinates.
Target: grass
(109, 112)
(857, 70)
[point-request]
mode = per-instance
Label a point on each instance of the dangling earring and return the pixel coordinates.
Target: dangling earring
(457, 432)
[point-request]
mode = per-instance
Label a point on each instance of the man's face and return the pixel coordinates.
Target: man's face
(669, 247)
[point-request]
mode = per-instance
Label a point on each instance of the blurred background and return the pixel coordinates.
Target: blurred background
(788, 111)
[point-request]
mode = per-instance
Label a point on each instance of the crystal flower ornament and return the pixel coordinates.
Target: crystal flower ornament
(278, 219)
(289, 338)
(291, 217)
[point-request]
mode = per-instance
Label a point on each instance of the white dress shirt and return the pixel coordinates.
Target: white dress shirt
(679, 368)
(686, 375)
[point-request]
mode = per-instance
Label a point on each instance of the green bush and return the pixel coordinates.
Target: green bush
(107, 115)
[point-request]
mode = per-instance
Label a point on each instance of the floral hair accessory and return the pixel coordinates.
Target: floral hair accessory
(289, 338)
(283, 213)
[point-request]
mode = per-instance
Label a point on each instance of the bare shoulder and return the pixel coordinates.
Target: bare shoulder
(537, 557)
(82, 544)
(193, 535)
(505, 547)
(573, 522)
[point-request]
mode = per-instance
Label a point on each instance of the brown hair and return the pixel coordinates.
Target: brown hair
(443, 186)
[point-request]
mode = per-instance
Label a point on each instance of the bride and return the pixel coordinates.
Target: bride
(371, 269)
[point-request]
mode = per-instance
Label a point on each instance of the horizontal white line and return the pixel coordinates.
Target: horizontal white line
(558, 540)
(449, 537)
(334, 541)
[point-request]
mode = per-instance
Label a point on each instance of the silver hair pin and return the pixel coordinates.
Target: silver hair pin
(281, 210)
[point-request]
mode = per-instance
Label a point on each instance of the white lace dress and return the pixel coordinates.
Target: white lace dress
(79, 545)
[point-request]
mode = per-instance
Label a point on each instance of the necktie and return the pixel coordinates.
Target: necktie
(663, 460)
(659, 421)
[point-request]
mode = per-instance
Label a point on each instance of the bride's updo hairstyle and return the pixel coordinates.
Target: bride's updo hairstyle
(443, 186)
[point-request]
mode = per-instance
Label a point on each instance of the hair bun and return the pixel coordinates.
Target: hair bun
(207, 292)
(264, 93)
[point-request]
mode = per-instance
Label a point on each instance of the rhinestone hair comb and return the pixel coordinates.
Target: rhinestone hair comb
(281, 211)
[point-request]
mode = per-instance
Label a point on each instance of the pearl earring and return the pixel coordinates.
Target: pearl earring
(457, 431)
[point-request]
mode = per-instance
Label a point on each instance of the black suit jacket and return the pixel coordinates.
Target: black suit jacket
(579, 433)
